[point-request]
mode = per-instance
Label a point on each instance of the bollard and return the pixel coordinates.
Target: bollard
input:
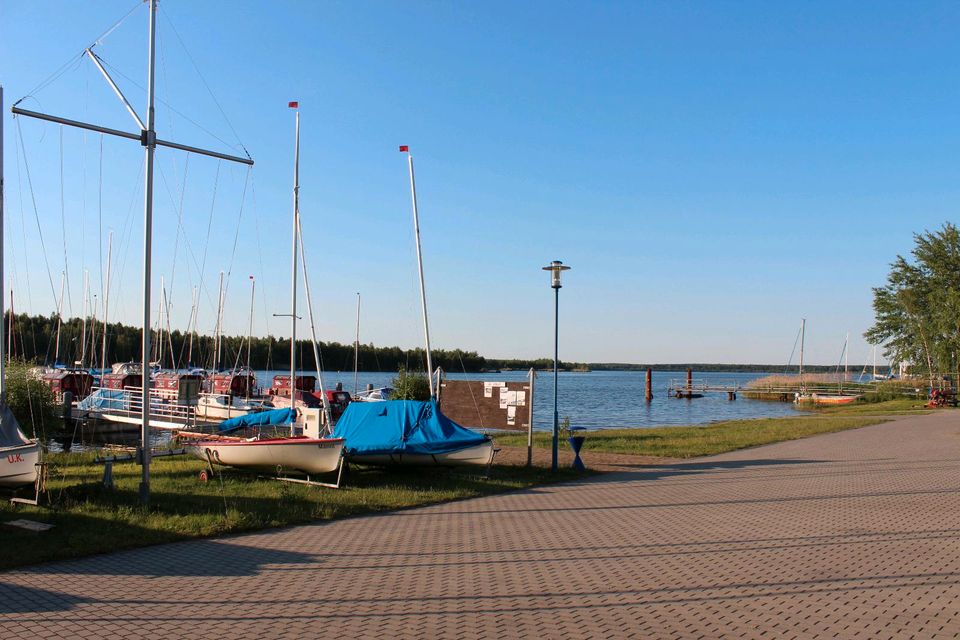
(649, 385)
(576, 443)
(67, 407)
(108, 475)
(689, 380)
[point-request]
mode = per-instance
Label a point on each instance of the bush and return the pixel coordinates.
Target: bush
(410, 385)
(31, 400)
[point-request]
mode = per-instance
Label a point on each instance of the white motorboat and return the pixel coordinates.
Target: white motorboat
(374, 395)
(217, 406)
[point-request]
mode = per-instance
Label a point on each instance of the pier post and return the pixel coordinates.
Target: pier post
(649, 394)
(689, 382)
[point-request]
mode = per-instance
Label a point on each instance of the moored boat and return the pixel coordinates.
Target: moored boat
(409, 433)
(822, 398)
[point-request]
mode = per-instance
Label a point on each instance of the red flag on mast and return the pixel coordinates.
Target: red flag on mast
(294, 105)
(404, 147)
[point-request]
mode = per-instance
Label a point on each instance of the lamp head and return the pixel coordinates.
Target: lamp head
(555, 268)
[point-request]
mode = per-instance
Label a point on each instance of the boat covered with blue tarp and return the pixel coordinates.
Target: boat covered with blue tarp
(261, 419)
(409, 432)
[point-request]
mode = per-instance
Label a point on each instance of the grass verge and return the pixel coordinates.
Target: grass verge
(90, 519)
(720, 437)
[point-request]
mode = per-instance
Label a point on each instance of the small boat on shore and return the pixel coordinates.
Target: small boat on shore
(280, 441)
(825, 399)
(409, 433)
(19, 455)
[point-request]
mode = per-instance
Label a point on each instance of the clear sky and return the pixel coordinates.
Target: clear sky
(712, 171)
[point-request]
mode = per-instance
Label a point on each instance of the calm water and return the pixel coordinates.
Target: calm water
(609, 399)
(596, 400)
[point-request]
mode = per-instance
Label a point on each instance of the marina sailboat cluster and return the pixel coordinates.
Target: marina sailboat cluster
(288, 426)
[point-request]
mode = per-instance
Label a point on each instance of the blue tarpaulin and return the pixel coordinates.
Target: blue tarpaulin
(261, 419)
(402, 426)
(104, 400)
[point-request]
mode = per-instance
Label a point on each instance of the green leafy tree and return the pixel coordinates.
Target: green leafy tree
(917, 312)
(31, 400)
(410, 385)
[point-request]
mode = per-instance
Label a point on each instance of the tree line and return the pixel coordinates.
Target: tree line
(47, 340)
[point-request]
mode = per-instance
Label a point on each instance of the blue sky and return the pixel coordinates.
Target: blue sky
(712, 171)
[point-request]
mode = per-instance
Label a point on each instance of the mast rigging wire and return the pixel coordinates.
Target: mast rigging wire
(36, 213)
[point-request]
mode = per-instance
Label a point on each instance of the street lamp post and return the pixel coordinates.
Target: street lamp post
(556, 268)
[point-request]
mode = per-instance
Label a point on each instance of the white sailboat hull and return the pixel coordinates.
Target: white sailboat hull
(211, 407)
(479, 455)
(18, 465)
(280, 455)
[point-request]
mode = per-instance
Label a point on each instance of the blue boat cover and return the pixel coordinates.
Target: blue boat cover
(261, 419)
(401, 426)
(104, 400)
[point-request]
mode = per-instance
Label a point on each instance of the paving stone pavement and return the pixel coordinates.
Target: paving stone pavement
(848, 535)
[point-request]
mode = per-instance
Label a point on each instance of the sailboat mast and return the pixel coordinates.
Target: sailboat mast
(253, 293)
(846, 345)
(83, 323)
(216, 337)
(293, 268)
(191, 326)
(106, 304)
(803, 329)
(356, 352)
(149, 142)
(3, 386)
(313, 330)
(56, 355)
(423, 292)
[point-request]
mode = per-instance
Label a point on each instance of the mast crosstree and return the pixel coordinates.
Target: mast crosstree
(147, 136)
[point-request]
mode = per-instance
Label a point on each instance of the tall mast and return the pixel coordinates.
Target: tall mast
(313, 330)
(159, 357)
(423, 291)
(216, 337)
(106, 305)
(191, 326)
(253, 293)
(874, 363)
(356, 351)
(148, 139)
(846, 343)
(293, 268)
(56, 355)
(3, 386)
(803, 328)
(83, 324)
(147, 136)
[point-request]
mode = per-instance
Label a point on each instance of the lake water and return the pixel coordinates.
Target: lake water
(595, 400)
(607, 399)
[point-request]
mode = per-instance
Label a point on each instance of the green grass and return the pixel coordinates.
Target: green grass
(91, 519)
(720, 437)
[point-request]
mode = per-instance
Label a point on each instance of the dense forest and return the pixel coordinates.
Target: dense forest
(35, 340)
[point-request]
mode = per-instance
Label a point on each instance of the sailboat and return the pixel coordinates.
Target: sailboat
(410, 432)
(304, 450)
(19, 455)
(824, 398)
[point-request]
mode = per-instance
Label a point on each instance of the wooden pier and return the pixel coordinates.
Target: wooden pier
(691, 388)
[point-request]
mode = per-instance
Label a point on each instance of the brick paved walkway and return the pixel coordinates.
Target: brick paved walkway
(854, 534)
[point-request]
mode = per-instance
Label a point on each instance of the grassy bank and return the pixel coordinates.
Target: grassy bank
(90, 519)
(720, 437)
